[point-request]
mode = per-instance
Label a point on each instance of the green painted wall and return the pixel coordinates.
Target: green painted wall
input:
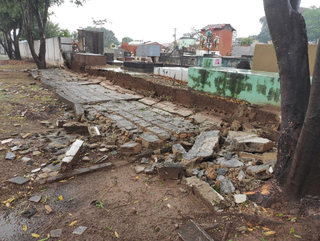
(253, 86)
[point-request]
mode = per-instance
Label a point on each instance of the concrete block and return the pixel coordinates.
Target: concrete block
(169, 170)
(151, 141)
(72, 156)
(257, 169)
(226, 186)
(130, 148)
(161, 133)
(251, 143)
(204, 191)
(204, 146)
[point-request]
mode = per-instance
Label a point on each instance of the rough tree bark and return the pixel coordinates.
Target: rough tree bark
(288, 33)
(39, 10)
(298, 165)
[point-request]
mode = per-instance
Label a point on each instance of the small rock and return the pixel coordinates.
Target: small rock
(36, 170)
(56, 233)
(145, 161)
(93, 146)
(10, 156)
(25, 159)
(19, 180)
(221, 171)
(6, 141)
(241, 175)
(240, 198)
(80, 230)
(35, 199)
(226, 186)
(48, 209)
(86, 159)
(182, 190)
(103, 150)
(257, 169)
(139, 169)
(36, 153)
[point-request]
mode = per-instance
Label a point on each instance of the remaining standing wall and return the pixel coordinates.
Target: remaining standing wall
(53, 51)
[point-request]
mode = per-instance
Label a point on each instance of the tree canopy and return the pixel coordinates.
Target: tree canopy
(311, 16)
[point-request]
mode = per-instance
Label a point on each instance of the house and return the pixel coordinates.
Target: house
(224, 32)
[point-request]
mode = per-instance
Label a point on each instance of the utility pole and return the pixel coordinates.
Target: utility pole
(175, 37)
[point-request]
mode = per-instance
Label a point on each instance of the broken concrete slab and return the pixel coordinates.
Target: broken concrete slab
(257, 169)
(151, 141)
(248, 155)
(161, 133)
(169, 170)
(229, 163)
(192, 231)
(250, 143)
(148, 101)
(19, 180)
(204, 191)
(203, 117)
(204, 146)
(61, 176)
(130, 148)
(72, 155)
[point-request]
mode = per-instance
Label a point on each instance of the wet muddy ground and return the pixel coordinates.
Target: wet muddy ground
(115, 203)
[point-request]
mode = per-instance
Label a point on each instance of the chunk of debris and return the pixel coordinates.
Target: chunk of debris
(130, 148)
(6, 141)
(226, 186)
(203, 147)
(250, 143)
(48, 209)
(35, 199)
(240, 198)
(56, 233)
(257, 169)
(76, 127)
(94, 133)
(72, 155)
(169, 170)
(192, 231)
(269, 157)
(150, 141)
(10, 156)
(80, 230)
(203, 189)
(139, 169)
(229, 163)
(19, 180)
(101, 159)
(60, 123)
(29, 213)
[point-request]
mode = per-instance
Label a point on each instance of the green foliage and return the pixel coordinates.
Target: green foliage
(246, 41)
(264, 35)
(312, 16)
(126, 40)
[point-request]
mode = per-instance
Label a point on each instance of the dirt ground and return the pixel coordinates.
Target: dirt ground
(114, 203)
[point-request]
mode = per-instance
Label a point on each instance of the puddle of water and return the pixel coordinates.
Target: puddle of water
(10, 228)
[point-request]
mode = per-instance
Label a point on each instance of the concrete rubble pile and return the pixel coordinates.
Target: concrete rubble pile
(211, 156)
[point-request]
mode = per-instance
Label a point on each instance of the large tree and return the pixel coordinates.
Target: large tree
(298, 164)
(38, 10)
(10, 28)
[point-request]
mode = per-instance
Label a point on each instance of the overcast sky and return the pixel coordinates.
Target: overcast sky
(156, 20)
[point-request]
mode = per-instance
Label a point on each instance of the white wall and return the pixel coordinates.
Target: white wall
(53, 51)
(178, 73)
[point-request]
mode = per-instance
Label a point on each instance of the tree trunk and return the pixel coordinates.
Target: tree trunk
(9, 45)
(288, 32)
(304, 177)
(16, 38)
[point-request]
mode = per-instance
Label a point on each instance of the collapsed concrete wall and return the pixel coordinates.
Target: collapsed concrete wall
(53, 50)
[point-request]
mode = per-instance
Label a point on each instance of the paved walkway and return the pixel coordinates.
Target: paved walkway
(128, 110)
